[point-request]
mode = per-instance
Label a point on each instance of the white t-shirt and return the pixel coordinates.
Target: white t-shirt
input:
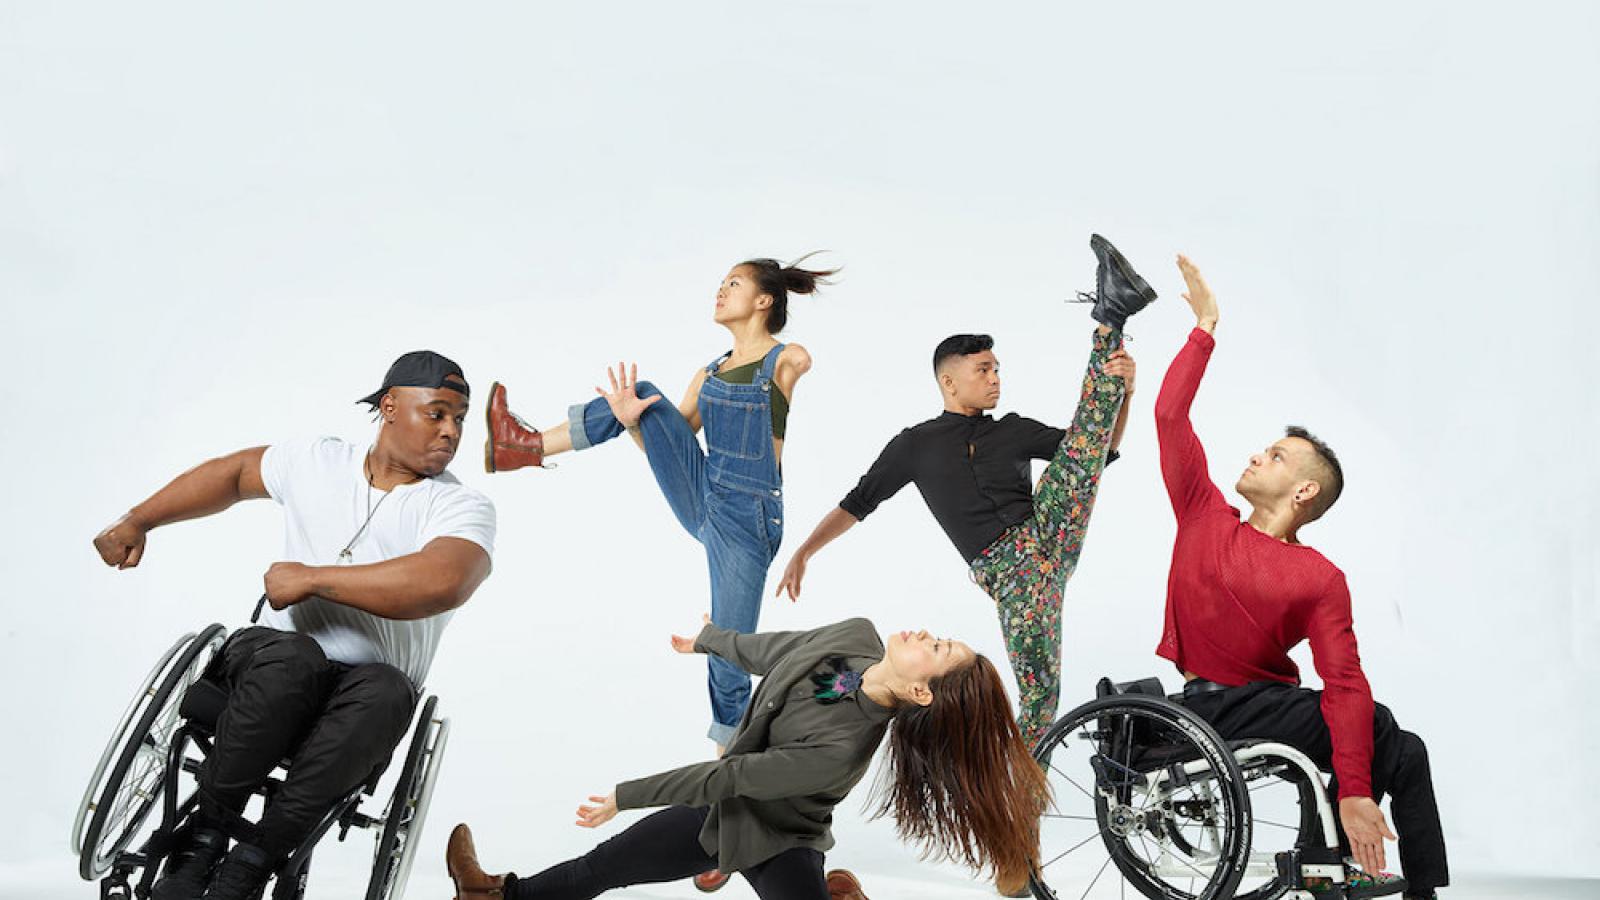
(321, 484)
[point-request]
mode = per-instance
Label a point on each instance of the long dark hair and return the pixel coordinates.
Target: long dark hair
(961, 783)
(779, 281)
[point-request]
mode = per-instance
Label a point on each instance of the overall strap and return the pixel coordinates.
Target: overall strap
(712, 369)
(768, 364)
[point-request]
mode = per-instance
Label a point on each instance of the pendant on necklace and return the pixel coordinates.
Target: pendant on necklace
(345, 557)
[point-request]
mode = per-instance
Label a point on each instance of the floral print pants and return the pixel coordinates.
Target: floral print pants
(1027, 567)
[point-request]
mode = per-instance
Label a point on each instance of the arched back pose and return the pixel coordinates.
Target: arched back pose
(1241, 594)
(973, 470)
(381, 545)
(728, 496)
(959, 779)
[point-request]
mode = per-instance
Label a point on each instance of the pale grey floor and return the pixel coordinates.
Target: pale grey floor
(55, 880)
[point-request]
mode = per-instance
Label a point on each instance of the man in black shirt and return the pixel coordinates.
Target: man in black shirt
(973, 471)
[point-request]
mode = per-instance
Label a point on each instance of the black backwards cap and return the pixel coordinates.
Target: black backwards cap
(424, 369)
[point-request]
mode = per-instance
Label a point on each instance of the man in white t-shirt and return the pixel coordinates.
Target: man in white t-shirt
(382, 544)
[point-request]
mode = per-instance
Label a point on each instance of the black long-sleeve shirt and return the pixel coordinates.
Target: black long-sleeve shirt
(974, 472)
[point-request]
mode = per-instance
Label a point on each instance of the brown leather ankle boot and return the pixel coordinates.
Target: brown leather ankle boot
(843, 885)
(511, 443)
(461, 861)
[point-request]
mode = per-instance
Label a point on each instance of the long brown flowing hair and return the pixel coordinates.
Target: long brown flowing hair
(960, 781)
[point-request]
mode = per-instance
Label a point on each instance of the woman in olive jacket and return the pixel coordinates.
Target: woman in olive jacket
(961, 782)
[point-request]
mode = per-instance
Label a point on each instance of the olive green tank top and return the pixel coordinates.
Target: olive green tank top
(746, 374)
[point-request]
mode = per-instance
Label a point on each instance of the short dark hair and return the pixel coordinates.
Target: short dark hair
(960, 345)
(1329, 475)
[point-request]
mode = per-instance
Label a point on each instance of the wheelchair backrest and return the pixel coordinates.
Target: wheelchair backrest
(1149, 687)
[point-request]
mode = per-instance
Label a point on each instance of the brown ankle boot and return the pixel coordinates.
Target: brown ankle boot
(843, 885)
(710, 882)
(461, 861)
(511, 443)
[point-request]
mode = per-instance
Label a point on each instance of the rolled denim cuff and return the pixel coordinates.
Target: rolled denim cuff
(580, 438)
(721, 734)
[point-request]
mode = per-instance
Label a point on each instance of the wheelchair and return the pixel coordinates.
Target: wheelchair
(1145, 793)
(163, 737)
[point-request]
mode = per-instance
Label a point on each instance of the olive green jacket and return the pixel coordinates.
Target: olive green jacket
(792, 760)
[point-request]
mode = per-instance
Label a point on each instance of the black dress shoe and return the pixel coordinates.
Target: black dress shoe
(190, 867)
(1119, 291)
(242, 876)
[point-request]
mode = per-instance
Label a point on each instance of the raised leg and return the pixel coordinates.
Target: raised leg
(1066, 491)
(675, 455)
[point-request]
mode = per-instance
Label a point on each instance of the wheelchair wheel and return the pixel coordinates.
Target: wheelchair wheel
(1141, 785)
(127, 782)
(408, 806)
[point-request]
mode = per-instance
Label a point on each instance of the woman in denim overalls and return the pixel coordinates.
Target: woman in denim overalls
(728, 496)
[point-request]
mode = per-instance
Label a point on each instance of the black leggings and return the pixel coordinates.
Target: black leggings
(665, 846)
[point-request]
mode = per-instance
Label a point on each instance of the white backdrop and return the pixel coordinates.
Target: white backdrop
(218, 227)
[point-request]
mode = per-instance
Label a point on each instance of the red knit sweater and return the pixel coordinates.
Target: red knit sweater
(1239, 599)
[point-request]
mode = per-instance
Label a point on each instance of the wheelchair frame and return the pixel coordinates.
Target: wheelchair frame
(1157, 769)
(148, 753)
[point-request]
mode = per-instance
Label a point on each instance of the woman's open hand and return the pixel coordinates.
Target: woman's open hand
(686, 644)
(623, 398)
(595, 816)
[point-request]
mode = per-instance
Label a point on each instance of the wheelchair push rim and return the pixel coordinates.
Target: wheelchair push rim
(127, 781)
(1143, 794)
(408, 805)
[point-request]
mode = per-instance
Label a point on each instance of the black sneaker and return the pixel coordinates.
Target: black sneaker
(242, 876)
(189, 868)
(1119, 291)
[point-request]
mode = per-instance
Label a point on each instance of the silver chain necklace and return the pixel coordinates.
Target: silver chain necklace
(345, 556)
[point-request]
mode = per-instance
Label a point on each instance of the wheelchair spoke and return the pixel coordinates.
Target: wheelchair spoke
(1071, 781)
(1191, 867)
(1064, 816)
(1074, 847)
(1096, 878)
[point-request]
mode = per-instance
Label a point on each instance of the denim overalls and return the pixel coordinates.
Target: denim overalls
(729, 497)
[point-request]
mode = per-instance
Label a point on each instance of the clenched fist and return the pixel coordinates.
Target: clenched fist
(287, 583)
(122, 543)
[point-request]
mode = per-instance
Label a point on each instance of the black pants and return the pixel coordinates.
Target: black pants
(665, 846)
(336, 724)
(1293, 716)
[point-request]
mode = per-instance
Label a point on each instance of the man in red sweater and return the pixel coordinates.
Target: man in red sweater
(1242, 593)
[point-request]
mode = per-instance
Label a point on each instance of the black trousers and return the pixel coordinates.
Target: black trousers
(1293, 716)
(665, 846)
(335, 724)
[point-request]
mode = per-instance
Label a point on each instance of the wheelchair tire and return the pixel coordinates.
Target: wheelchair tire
(1165, 785)
(408, 805)
(127, 782)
